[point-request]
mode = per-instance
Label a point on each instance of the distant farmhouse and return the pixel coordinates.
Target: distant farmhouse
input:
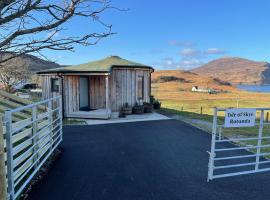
(95, 89)
(203, 90)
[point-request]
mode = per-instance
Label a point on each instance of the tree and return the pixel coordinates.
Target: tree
(13, 74)
(28, 26)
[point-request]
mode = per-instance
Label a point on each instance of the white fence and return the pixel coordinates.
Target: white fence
(239, 153)
(29, 142)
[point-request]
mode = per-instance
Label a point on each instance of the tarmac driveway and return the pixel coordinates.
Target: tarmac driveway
(153, 160)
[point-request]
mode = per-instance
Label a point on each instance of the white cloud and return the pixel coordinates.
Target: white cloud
(189, 56)
(184, 64)
(190, 52)
(190, 64)
(212, 51)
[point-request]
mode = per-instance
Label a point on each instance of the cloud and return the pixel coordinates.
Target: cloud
(184, 64)
(190, 52)
(188, 64)
(189, 56)
(213, 51)
(185, 43)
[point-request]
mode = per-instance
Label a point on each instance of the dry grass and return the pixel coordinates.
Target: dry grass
(178, 96)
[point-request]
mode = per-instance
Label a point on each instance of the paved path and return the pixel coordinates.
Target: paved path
(154, 160)
(129, 118)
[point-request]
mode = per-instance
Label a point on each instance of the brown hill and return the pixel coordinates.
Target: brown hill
(236, 71)
(32, 62)
(185, 80)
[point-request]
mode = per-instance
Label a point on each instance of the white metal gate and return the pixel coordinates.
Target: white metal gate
(243, 151)
(29, 142)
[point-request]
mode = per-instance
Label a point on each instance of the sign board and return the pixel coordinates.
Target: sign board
(242, 117)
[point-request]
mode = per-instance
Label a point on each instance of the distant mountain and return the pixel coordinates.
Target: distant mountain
(236, 71)
(32, 62)
(171, 80)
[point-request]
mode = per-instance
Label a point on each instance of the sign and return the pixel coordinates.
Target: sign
(244, 117)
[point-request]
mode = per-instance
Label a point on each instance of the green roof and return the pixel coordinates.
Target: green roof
(104, 65)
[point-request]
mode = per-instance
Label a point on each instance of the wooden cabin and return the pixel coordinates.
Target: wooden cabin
(96, 89)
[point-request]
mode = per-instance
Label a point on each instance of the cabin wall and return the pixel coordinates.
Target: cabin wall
(70, 91)
(46, 87)
(71, 94)
(123, 86)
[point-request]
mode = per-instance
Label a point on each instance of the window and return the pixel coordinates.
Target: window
(55, 84)
(140, 88)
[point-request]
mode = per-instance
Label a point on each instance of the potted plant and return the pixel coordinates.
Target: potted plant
(121, 115)
(138, 109)
(148, 107)
(126, 109)
(157, 104)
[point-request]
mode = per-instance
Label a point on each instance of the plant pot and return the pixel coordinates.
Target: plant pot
(148, 108)
(127, 110)
(138, 110)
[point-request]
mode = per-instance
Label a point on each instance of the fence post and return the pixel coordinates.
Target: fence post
(9, 149)
(50, 108)
(213, 143)
(201, 110)
(267, 117)
(34, 134)
(259, 140)
(3, 181)
(60, 116)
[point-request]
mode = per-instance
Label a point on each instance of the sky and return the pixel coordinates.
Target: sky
(177, 34)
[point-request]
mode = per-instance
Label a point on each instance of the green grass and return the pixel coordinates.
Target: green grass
(70, 121)
(206, 106)
(243, 132)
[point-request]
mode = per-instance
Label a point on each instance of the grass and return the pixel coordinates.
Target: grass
(70, 121)
(197, 108)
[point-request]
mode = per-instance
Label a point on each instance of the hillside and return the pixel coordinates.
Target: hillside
(173, 89)
(32, 62)
(236, 71)
(185, 80)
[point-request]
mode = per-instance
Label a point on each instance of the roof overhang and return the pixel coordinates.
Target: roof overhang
(72, 72)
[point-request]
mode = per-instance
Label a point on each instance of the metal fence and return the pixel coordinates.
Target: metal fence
(30, 142)
(241, 150)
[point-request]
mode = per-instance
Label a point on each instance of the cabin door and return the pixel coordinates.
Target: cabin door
(84, 93)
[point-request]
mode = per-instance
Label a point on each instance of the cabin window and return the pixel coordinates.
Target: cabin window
(140, 88)
(55, 84)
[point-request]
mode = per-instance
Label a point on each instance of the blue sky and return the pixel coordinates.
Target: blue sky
(178, 34)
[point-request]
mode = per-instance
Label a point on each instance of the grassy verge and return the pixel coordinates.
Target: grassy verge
(70, 121)
(204, 121)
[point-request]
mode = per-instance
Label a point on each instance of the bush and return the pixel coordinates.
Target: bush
(221, 82)
(163, 79)
(156, 103)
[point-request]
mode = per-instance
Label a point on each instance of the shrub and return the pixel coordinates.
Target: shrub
(221, 82)
(163, 79)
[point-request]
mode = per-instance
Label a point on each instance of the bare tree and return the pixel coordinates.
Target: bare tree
(13, 73)
(28, 26)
